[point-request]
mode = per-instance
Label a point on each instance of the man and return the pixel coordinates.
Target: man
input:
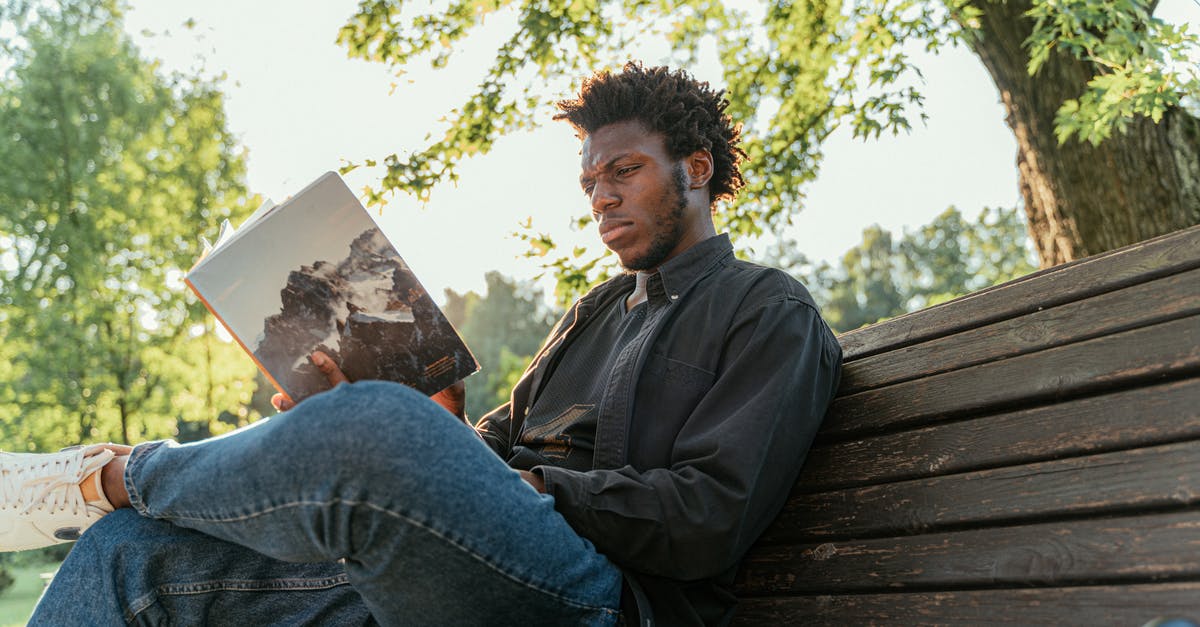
(660, 428)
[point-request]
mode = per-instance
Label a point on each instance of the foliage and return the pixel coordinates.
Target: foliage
(573, 272)
(1143, 66)
(112, 171)
(795, 72)
(503, 328)
(883, 276)
(812, 69)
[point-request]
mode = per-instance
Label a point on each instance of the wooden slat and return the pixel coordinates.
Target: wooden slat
(1148, 303)
(1068, 553)
(1138, 479)
(1134, 264)
(1140, 355)
(1131, 605)
(1146, 416)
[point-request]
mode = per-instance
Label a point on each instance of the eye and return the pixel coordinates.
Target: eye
(587, 190)
(622, 171)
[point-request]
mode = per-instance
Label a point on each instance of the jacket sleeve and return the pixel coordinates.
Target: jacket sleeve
(734, 460)
(493, 428)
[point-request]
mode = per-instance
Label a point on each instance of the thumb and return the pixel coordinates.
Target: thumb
(328, 368)
(282, 402)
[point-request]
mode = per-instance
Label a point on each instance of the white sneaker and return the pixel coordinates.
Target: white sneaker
(40, 500)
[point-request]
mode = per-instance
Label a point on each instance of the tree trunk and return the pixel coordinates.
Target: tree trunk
(1082, 199)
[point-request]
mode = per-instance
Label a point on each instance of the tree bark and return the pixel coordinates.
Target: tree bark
(1082, 199)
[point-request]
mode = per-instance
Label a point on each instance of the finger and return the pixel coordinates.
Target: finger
(119, 449)
(282, 402)
(327, 367)
(453, 399)
(456, 392)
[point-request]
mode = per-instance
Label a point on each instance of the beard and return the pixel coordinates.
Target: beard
(669, 225)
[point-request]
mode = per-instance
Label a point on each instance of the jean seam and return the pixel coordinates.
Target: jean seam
(402, 517)
(136, 458)
(144, 602)
(139, 605)
(253, 585)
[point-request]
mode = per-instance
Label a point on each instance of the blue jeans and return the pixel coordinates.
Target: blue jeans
(368, 503)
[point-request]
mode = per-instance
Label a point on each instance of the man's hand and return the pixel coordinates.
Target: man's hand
(327, 367)
(534, 480)
(454, 399)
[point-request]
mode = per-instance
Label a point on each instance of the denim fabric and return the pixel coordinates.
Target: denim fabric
(135, 570)
(431, 528)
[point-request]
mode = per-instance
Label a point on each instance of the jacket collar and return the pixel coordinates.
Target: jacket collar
(672, 279)
(679, 274)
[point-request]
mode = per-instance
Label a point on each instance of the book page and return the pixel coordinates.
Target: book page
(316, 273)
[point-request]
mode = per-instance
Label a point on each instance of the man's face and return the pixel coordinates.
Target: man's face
(638, 195)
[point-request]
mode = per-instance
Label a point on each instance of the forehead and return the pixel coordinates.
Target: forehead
(613, 141)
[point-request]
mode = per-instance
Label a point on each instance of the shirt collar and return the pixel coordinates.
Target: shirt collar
(677, 275)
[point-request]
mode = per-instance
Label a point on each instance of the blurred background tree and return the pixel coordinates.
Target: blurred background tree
(504, 328)
(885, 276)
(111, 172)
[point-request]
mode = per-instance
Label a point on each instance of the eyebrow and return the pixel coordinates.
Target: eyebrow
(583, 179)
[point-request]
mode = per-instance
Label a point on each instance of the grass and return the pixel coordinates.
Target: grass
(16, 603)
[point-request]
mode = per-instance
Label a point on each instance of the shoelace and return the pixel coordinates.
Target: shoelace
(47, 481)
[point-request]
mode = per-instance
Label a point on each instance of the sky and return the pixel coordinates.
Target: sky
(301, 107)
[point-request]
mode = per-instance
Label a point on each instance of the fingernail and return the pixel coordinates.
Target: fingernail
(318, 359)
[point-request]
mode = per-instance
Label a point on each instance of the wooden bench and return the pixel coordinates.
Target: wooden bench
(1027, 454)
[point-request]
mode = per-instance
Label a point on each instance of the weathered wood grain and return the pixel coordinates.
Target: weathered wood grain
(1147, 416)
(1171, 297)
(1027, 454)
(1134, 264)
(1105, 363)
(1131, 605)
(1068, 553)
(1110, 483)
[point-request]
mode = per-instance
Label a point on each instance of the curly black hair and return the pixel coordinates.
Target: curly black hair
(688, 113)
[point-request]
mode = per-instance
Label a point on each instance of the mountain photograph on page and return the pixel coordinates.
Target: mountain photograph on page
(369, 314)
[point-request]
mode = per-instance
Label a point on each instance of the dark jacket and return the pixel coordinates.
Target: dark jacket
(702, 429)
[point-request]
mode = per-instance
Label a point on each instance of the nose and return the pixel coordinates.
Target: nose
(603, 199)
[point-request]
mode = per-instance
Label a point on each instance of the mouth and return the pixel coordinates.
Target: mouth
(610, 231)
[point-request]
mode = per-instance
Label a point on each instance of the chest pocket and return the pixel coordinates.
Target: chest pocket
(668, 391)
(684, 379)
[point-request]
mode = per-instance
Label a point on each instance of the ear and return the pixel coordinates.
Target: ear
(699, 167)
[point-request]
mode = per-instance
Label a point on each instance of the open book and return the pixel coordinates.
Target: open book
(316, 273)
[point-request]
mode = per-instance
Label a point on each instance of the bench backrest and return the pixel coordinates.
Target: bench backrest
(1026, 454)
